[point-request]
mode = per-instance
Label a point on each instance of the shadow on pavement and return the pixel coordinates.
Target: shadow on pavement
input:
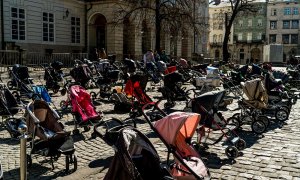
(101, 163)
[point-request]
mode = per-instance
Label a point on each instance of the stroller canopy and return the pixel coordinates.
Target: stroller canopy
(210, 99)
(21, 71)
(135, 158)
(173, 78)
(177, 124)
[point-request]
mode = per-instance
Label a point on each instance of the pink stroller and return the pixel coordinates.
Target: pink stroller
(83, 109)
(176, 131)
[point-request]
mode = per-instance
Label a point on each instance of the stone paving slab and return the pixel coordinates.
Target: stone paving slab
(274, 155)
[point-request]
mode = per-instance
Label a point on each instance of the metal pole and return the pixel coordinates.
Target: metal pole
(23, 156)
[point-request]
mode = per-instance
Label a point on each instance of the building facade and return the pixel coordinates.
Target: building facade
(283, 26)
(249, 35)
(53, 26)
(217, 31)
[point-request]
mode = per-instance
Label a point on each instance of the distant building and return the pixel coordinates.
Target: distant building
(250, 34)
(283, 26)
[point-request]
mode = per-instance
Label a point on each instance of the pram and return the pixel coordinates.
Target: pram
(83, 110)
(207, 105)
(54, 77)
(52, 140)
(8, 108)
(257, 104)
(172, 89)
(82, 74)
(176, 131)
(19, 75)
(135, 156)
(135, 87)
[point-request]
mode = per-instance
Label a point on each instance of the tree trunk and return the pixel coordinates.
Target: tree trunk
(157, 25)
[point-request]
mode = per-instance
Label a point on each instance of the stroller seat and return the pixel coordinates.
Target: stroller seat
(82, 103)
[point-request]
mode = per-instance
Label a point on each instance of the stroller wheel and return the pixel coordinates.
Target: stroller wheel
(240, 144)
(86, 128)
(264, 119)
(93, 95)
(286, 108)
(63, 105)
(233, 123)
(231, 152)
(10, 85)
(75, 131)
(63, 91)
(258, 126)
(281, 115)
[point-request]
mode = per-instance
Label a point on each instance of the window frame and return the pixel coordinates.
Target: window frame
(285, 42)
(275, 24)
(287, 11)
(270, 38)
(296, 39)
(46, 24)
(16, 22)
(295, 11)
(287, 26)
(77, 29)
(292, 24)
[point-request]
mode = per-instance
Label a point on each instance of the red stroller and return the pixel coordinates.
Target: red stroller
(83, 109)
(176, 131)
(135, 87)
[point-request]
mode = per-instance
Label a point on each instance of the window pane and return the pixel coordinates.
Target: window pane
(51, 19)
(45, 16)
(72, 20)
(22, 33)
(21, 13)
(294, 38)
(295, 24)
(14, 12)
(286, 24)
(78, 21)
(285, 39)
(296, 11)
(45, 38)
(22, 37)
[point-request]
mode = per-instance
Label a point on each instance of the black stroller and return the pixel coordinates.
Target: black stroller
(9, 107)
(135, 156)
(54, 77)
(211, 120)
(19, 75)
(52, 140)
(172, 90)
(81, 73)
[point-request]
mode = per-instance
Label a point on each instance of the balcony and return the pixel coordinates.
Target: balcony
(216, 44)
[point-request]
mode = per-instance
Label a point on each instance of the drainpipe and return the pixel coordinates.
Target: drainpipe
(2, 25)
(86, 25)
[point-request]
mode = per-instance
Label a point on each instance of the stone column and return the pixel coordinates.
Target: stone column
(114, 36)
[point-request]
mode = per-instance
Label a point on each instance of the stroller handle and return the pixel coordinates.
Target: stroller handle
(35, 119)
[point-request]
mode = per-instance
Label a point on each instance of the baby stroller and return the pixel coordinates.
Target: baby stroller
(9, 107)
(172, 89)
(135, 87)
(54, 77)
(257, 104)
(82, 74)
(135, 156)
(19, 75)
(176, 131)
(83, 110)
(207, 105)
(52, 140)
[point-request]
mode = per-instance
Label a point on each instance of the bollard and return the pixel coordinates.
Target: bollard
(23, 156)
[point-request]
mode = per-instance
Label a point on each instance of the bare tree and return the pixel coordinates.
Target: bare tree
(237, 7)
(166, 15)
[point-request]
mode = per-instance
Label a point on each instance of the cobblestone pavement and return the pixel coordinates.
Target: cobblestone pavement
(274, 155)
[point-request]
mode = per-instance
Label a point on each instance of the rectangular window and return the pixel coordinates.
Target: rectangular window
(273, 12)
(241, 23)
(272, 38)
(295, 24)
(249, 36)
(294, 38)
(249, 22)
(75, 29)
(259, 36)
(259, 22)
(240, 36)
(285, 39)
(273, 24)
(220, 27)
(295, 11)
(287, 11)
(48, 27)
(17, 24)
(285, 24)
